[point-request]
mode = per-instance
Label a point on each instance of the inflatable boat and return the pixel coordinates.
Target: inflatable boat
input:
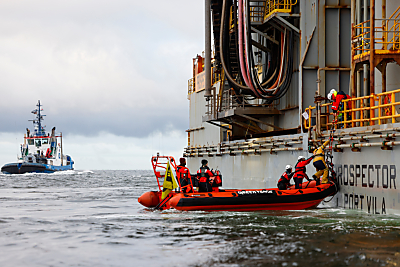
(308, 197)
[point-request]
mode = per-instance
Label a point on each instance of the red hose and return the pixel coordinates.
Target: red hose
(245, 74)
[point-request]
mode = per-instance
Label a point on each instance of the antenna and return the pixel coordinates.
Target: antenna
(37, 122)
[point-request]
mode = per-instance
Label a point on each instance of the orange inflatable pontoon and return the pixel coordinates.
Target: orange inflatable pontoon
(254, 199)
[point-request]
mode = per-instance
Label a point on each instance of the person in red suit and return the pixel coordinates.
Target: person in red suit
(300, 171)
(184, 177)
(337, 99)
(337, 105)
(205, 177)
(284, 181)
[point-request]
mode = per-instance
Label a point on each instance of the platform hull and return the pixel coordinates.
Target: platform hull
(367, 177)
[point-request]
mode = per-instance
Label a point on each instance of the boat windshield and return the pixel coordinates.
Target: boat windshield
(45, 141)
(30, 142)
(38, 142)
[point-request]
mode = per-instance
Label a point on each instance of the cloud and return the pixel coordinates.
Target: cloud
(118, 67)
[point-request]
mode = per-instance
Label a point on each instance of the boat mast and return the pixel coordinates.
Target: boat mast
(38, 120)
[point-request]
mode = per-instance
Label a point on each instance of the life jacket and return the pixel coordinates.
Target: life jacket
(319, 157)
(338, 99)
(319, 152)
(48, 153)
(285, 178)
(300, 171)
(204, 176)
(183, 172)
(184, 178)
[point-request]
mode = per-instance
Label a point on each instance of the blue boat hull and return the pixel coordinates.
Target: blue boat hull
(19, 168)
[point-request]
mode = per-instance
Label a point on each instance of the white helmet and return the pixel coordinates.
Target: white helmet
(332, 93)
(301, 158)
(288, 167)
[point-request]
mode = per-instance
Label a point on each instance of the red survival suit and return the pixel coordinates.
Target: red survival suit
(338, 99)
(184, 179)
(204, 174)
(284, 181)
(300, 172)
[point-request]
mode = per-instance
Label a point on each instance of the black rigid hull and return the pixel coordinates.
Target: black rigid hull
(19, 168)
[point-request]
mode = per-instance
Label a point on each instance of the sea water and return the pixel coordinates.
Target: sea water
(92, 218)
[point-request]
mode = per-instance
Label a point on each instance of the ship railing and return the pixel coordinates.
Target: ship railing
(252, 147)
(257, 11)
(375, 109)
(386, 36)
(159, 164)
(216, 77)
(226, 100)
(278, 6)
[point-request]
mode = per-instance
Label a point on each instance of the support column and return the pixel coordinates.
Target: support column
(352, 72)
(384, 64)
(371, 59)
(384, 34)
(372, 48)
(366, 73)
(358, 95)
(207, 60)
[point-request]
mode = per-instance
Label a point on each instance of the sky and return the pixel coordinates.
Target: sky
(111, 75)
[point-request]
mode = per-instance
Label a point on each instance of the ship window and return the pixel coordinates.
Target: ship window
(30, 142)
(45, 141)
(38, 142)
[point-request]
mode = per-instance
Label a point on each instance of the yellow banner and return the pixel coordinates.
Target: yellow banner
(169, 182)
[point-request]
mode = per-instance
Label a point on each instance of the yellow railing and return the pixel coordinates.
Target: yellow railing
(273, 6)
(216, 76)
(361, 40)
(257, 13)
(386, 36)
(361, 111)
(191, 86)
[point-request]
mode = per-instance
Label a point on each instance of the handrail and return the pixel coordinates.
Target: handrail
(274, 6)
(191, 86)
(257, 12)
(373, 109)
(395, 13)
(386, 37)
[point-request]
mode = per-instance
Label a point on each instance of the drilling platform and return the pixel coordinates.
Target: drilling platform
(258, 94)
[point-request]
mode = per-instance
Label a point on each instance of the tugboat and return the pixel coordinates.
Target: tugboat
(41, 152)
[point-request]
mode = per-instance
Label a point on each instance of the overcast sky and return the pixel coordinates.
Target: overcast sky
(111, 75)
